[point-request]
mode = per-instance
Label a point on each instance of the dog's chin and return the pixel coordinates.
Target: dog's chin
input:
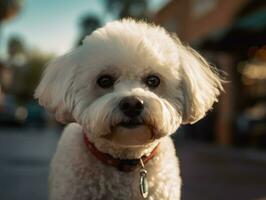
(132, 135)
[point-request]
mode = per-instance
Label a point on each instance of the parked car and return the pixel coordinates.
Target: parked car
(30, 114)
(36, 115)
(10, 113)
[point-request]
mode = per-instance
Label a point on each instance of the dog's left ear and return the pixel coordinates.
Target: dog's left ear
(54, 90)
(201, 85)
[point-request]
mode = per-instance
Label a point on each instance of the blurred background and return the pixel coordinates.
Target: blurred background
(222, 156)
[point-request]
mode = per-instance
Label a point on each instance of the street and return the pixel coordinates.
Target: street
(216, 173)
(208, 172)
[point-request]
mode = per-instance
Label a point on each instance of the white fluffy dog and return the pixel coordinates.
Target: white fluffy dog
(127, 89)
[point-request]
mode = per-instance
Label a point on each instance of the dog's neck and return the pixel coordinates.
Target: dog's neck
(121, 152)
(125, 165)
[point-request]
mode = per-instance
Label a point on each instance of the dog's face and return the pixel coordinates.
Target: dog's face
(131, 105)
(129, 84)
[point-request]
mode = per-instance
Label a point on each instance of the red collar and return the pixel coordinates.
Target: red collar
(125, 165)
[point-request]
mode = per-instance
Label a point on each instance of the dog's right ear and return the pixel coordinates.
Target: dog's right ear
(201, 84)
(55, 89)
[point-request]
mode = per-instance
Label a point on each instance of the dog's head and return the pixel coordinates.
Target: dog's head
(130, 83)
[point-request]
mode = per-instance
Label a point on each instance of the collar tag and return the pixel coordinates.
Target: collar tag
(143, 183)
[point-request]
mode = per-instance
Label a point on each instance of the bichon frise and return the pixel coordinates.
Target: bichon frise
(126, 89)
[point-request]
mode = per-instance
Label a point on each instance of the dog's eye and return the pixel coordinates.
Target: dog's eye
(106, 81)
(152, 81)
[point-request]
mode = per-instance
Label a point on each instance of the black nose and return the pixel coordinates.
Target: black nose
(131, 106)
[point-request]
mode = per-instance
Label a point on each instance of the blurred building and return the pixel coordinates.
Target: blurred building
(195, 20)
(232, 35)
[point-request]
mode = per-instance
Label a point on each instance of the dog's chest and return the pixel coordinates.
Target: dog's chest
(77, 174)
(106, 182)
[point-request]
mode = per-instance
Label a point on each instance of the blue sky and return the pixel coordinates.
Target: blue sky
(52, 25)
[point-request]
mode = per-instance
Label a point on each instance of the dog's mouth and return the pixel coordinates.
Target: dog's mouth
(131, 132)
(131, 124)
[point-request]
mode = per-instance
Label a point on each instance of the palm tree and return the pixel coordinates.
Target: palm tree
(128, 8)
(87, 25)
(9, 8)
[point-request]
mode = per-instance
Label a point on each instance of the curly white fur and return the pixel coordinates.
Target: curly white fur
(129, 51)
